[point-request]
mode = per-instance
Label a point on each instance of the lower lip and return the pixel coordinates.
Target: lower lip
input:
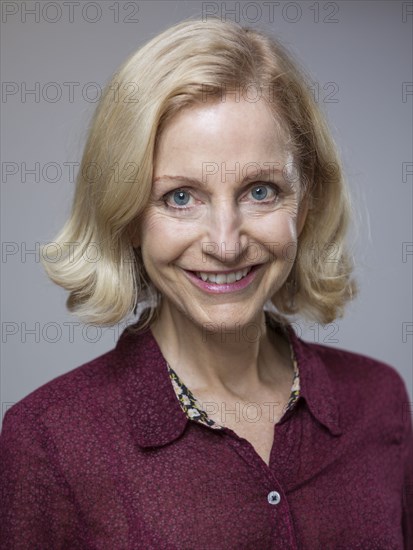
(213, 288)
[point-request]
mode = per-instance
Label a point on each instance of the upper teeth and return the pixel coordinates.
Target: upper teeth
(223, 278)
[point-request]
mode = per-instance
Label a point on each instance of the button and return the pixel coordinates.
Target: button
(274, 497)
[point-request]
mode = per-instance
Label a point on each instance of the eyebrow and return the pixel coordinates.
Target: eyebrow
(253, 176)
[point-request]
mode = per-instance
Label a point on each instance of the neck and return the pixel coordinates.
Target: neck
(237, 362)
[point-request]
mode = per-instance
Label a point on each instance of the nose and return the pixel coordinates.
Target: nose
(226, 234)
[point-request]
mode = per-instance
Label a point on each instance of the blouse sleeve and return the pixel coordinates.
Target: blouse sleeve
(407, 520)
(35, 506)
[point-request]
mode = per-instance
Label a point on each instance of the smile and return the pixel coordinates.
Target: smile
(222, 283)
(223, 278)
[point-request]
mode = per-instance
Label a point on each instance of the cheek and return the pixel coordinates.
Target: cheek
(281, 227)
(281, 239)
(162, 238)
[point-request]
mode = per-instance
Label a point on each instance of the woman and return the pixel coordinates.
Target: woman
(212, 190)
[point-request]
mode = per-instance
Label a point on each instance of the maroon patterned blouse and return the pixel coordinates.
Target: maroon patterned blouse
(106, 457)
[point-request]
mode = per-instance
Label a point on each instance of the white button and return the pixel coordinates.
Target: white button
(274, 497)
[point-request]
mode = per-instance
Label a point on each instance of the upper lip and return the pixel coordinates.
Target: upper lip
(218, 271)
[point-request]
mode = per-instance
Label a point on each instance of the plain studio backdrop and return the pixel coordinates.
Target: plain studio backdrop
(56, 58)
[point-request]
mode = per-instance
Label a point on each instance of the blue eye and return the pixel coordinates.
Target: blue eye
(180, 198)
(260, 192)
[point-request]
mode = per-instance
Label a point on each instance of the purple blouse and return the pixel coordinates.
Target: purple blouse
(113, 455)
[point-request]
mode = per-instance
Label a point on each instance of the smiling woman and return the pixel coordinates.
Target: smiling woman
(250, 230)
(225, 229)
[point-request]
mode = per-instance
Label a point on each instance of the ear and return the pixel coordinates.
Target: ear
(302, 213)
(133, 232)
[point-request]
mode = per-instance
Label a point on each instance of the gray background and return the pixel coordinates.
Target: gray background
(367, 55)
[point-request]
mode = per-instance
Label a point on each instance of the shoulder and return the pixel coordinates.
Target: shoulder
(93, 393)
(68, 389)
(348, 371)
(75, 392)
(91, 386)
(363, 385)
(352, 368)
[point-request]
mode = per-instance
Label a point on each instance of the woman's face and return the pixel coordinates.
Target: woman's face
(205, 218)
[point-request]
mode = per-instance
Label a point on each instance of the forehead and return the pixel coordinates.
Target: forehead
(221, 132)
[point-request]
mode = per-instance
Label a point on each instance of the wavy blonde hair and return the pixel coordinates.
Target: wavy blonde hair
(169, 73)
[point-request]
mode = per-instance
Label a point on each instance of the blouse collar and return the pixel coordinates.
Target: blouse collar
(150, 400)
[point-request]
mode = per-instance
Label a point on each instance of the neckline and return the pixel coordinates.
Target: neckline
(193, 409)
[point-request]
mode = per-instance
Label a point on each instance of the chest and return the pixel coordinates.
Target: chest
(259, 435)
(253, 421)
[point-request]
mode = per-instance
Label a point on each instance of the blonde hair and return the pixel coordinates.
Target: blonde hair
(172, 71)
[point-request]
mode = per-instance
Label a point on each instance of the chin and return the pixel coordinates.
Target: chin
(230, 315)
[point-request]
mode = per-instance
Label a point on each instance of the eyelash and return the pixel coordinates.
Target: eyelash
(272, 186)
